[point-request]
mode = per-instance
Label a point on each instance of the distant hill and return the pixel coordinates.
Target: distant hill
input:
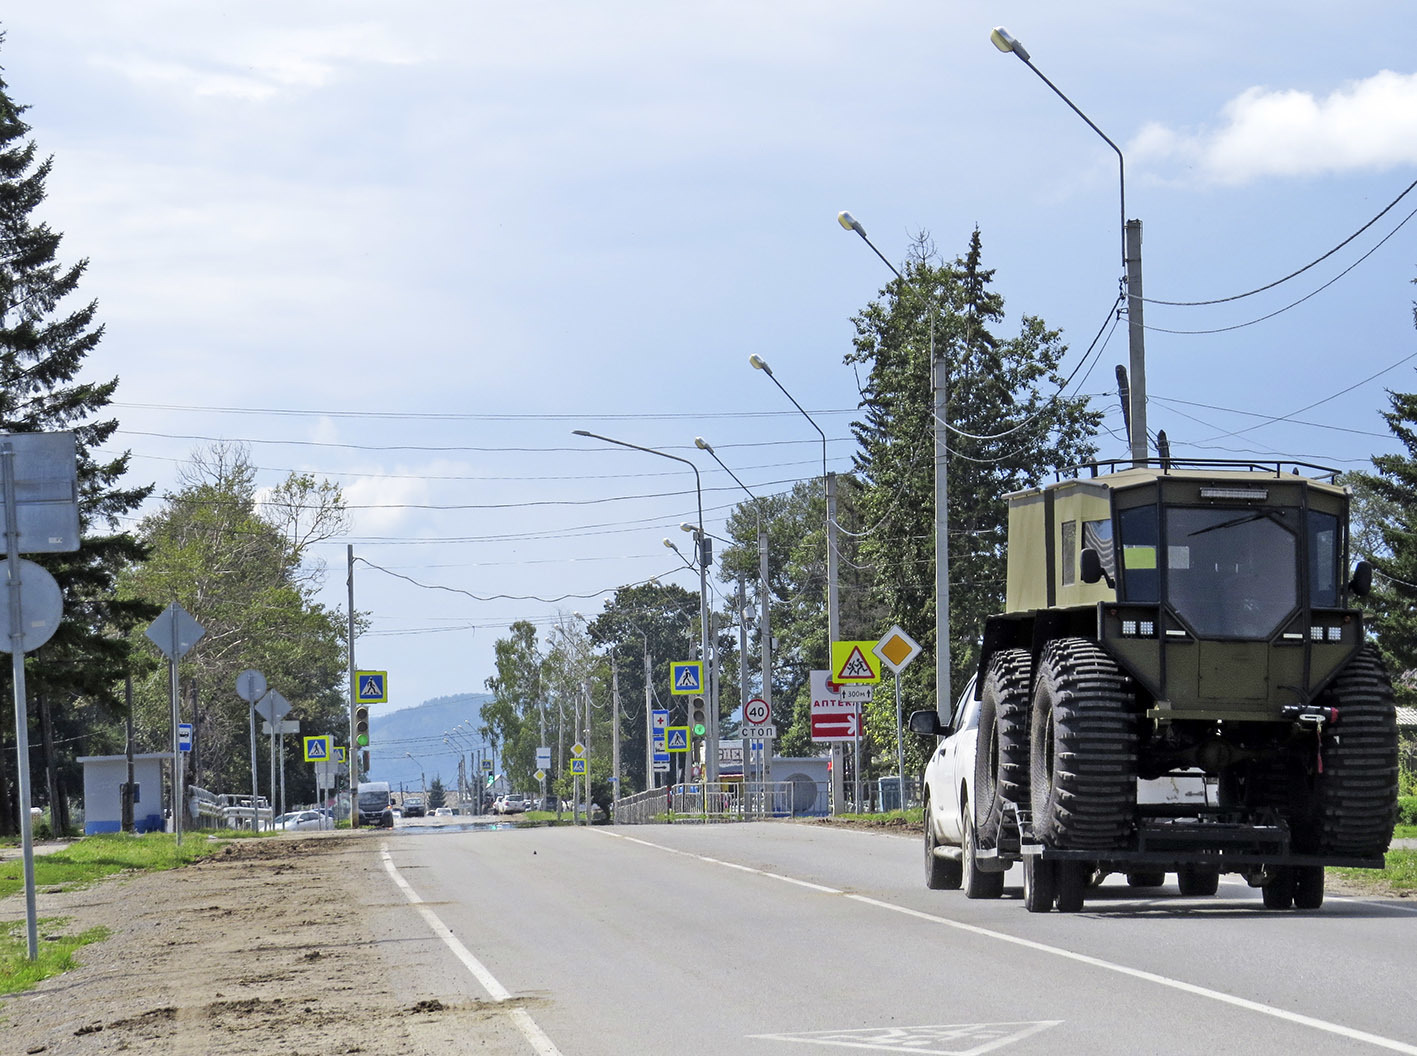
(419, 732)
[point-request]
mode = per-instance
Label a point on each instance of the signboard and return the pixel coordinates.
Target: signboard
(340, 754)
(371, 687)
(273, 706)
(661, 766)
(658, 720)
(833, 719)
(896, 649)
(270, 729)
(858, 694)
(759, 733)
(686, 678)
(854, 662)
(540, 775)
(676, 739)
(319, 749)
(578, 749)
(543, 759)
(184, 736)
(578, 766)
(756, 711)
(46, 492)
(174, 632)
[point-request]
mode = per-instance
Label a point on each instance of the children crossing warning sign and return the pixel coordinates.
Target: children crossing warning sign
(855, 662)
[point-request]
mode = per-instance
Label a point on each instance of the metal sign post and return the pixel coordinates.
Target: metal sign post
(175, 632)
(40, 478)
(251, 687)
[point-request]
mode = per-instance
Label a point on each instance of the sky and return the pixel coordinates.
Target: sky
(410, 247)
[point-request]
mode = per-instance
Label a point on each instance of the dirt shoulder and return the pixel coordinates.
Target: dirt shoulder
(271, 946)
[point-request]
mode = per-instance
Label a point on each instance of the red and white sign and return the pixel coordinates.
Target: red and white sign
(833, 719)
(756, 712)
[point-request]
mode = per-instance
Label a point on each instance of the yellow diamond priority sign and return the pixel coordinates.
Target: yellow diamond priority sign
(896, 649)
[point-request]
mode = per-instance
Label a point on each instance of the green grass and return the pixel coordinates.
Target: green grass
(1399, 875)
(85, 861)
(1404, 832)
(56, 952)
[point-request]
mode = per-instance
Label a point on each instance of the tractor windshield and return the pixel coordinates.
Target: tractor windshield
(1230, 573)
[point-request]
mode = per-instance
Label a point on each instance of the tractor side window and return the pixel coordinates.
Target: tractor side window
(1097, 535)
(1323, 560)
(1070, 553)
(1140, 579)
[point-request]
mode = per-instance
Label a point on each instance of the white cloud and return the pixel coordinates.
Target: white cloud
(1368, 124)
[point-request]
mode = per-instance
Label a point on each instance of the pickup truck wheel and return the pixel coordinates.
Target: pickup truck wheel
(977, 884)
(1357, 790)
(1197, 880)
(941, 874)
(1001, 756)
(1071, 885)
(1279, 892)
(1039, 883)
(1308, 886)
(1083, 748)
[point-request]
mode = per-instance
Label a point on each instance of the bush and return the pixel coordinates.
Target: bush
(1407, 810)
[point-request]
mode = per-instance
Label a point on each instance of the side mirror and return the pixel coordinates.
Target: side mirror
(1090, 567)
(926, 723)
(1362, 582)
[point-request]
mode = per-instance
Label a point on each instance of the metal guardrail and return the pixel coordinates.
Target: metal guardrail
(707, 801)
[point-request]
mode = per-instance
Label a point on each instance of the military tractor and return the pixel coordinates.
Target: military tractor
(1176, 622)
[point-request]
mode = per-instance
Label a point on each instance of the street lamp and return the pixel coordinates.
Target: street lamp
(765, 626)
(944, 695)
(1131, 259)
(711, 762)
(422, 780)
(833, 617)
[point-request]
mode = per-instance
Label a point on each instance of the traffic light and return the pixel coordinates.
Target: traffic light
(361, 726)
(698, 717)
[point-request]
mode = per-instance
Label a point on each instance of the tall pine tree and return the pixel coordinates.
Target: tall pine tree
(72, 681)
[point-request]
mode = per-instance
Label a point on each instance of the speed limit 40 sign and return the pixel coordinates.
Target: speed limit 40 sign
(756, 712)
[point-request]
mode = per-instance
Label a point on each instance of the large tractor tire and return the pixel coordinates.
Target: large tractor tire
(1083, 749)
(1001, 759)
(1357, 789)
(1040, 883)
(976, 882)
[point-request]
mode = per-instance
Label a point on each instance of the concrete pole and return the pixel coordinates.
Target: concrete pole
(353, 754)
(650, 781)
(944, 697)
(1136, 342)
(614, 737)
(838, 790)
(743, 666)
(765, 637)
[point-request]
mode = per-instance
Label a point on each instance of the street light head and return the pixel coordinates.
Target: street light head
(759, 363)
(703, 445)
(670, 543)
(579, 432)
(850, 222)
(1006, 42)
(685, 526)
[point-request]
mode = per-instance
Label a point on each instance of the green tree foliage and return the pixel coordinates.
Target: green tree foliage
(511, 720)
(437, 794)
(215, 552)
(44, 342)
(1010, 429)
(658, 619)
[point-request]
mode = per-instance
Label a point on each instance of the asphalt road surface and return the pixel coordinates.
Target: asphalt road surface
(778, 939)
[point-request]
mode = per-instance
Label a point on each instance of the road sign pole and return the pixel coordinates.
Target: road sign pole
(353, 693)
(17, 678)
(899, 745)
(176, 751)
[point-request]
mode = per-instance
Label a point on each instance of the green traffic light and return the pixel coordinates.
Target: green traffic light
(362, 740)
(698, 729)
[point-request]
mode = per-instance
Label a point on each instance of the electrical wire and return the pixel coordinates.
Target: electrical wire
(1293, 274)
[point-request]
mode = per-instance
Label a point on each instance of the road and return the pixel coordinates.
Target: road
(773, 939)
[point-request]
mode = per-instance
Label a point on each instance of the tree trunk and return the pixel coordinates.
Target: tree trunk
(51, 767)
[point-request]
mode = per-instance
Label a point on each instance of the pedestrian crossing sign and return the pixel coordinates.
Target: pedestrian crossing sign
(686, 678)
(371, 687)
(318, 749)
(578, 766)
(676, 739)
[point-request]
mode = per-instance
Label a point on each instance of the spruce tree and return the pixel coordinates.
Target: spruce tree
(44, 341)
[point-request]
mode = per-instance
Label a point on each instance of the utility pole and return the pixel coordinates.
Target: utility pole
(650, 781)
(838, 789)
(1136, 343)
(614, 736)
(353, 753)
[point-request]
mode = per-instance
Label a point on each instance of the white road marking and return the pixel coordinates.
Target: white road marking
(976, 1038)
(540, 1043)
(1095, 962)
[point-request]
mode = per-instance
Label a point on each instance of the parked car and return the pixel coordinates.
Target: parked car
(413, 807)
(443, 812)
(512, 803)
(299, 820)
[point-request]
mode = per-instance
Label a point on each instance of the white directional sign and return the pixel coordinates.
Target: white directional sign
(543, 759)
(759, 733)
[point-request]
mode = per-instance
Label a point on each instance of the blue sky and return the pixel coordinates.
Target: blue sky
(411, 247)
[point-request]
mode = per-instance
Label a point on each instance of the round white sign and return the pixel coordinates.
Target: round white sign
(756, 712)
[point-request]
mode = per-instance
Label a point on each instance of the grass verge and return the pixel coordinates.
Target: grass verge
(85, 861)
(56, 952)
(1398, 876)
